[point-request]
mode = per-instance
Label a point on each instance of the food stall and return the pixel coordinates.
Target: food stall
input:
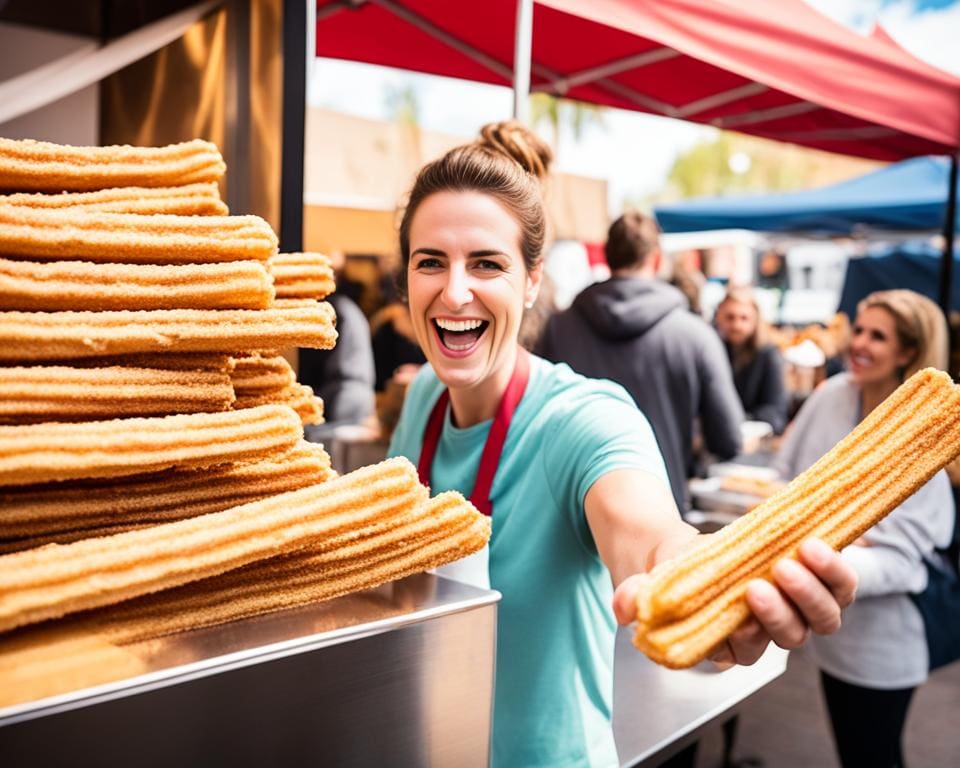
(401, 672)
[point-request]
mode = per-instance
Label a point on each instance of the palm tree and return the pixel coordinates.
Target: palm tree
(556, 112)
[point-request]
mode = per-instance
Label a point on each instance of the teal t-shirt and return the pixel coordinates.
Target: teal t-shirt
(555, 625)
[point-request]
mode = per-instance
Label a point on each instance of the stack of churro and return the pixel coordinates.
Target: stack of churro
(150, 428)
(690, 604)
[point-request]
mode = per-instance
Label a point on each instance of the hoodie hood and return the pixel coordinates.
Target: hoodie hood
(627, 307)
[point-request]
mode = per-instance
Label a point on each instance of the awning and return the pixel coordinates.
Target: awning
(909, 196)
(782, 71)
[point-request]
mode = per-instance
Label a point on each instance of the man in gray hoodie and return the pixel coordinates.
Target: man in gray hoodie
(637, 331)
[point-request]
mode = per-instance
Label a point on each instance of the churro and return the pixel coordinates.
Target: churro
(689, 604)
(38, 453)
(414, 539)
(187, 200)
(55, 580)
(257, 373)
(298, 396)
(59, 335)
(45, 510)
(83, 285)
(58, 393)
(302, 275)
(220, 362)
(45, 167)
(133, 238)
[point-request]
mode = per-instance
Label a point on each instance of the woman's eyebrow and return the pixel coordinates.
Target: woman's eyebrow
(429, 252)
(483, 254)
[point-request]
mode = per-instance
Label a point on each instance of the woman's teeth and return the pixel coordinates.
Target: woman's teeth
(460, 335)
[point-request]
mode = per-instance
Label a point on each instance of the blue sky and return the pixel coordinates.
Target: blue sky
(634, 151)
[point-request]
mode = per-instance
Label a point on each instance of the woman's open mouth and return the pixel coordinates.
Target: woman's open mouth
(459, 336)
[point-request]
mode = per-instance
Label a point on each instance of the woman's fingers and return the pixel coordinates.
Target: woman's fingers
(625, 599)
(833, 571)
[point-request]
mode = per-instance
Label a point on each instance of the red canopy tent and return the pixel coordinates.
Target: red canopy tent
(778, 70)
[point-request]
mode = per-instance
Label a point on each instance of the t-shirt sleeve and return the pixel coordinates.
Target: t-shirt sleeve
(599, 432)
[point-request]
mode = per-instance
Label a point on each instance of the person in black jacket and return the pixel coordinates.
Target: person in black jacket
(637, 331)
(757, 366)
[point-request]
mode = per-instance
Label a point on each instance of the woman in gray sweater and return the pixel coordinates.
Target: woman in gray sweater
(872, 665)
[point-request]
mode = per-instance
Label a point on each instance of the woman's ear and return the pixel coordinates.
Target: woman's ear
(534, 279)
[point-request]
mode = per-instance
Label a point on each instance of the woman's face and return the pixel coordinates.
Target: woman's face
(875, 352)
(467, 286)
(736, 321)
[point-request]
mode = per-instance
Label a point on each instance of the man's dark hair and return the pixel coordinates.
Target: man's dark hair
(630, 240)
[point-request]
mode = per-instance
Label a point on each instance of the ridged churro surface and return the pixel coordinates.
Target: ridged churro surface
(39, 453)
(187, 200)
(52, 581)
(59, 393)
(83, 285)
(302, 275)
(258, 373)
(43, 166)
(46, 509)
(60, 335)
(692, 602)
(133, 238)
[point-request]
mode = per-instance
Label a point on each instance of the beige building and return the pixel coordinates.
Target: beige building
(357, 171)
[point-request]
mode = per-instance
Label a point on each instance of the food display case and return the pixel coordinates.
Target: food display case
(397, 675)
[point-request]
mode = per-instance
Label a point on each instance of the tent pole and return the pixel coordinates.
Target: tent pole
(949, 226)
(946, 263)
(522, 54)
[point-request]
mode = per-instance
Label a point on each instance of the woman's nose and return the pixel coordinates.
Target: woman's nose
(457, 292)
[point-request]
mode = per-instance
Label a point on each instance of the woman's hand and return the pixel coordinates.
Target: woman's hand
(809, 596)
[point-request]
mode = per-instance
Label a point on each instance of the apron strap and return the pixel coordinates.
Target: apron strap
(497, 437)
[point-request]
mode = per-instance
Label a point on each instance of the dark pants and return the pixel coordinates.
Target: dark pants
(867, 723)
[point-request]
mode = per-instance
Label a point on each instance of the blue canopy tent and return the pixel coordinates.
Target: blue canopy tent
(907, 196)
(914, 265)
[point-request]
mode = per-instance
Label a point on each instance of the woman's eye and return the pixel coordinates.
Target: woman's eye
(489, 265)
(428, 263)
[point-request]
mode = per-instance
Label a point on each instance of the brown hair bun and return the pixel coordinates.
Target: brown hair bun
(513, 139)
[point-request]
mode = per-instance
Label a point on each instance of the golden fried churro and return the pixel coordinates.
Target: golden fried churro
(302, 275)
(83, 285)
(300, 397)
(58, 393)
(133, 238)
(60, 335)
(44, 510)
(170, 361)
(258, 373)
(412, 540)
(39, 453)
(58, 579)
(187, 200)
(45, 167)
(692, 602)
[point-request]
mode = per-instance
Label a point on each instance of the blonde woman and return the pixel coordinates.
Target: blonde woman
(872, 665)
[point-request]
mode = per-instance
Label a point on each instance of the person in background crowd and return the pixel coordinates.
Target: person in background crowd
(395, 345)
(757, 365)
(343, 376)
(872, 665)
(635, 330)
(567, 467)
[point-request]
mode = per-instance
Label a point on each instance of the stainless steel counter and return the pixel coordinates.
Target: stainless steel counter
(658, 711)
(398, 675)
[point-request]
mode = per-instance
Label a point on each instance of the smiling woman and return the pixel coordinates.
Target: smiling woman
(871, 667)
(559, 461)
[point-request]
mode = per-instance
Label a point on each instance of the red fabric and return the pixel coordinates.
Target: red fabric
(894, 105)
(496, 438)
